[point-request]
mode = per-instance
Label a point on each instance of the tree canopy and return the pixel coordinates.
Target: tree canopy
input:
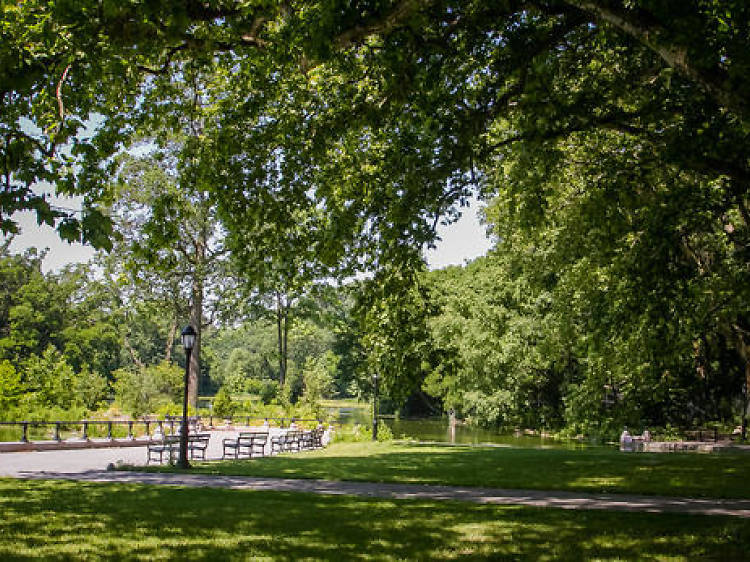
(611, 138)
(393, 105)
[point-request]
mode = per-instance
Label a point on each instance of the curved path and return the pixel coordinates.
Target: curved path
(90, 466)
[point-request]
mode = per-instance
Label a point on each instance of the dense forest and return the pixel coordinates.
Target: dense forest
(271, 172)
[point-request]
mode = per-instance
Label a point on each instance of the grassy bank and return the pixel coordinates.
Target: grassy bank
(52, 520)
(589, 470)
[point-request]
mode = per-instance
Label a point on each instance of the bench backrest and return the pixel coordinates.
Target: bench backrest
(252, 437)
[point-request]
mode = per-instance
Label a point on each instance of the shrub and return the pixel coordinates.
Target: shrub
(384, 432)
(143, 391)
(223, 406)
(11, 387)
(91, 388)
(269, 391)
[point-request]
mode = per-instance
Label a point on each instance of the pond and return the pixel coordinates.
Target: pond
(439, 430)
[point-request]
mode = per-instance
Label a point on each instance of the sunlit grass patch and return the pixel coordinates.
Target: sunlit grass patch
(53, 520)
(591, 470)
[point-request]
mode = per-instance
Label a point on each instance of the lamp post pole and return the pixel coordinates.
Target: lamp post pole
(188, 338)
(375, 407)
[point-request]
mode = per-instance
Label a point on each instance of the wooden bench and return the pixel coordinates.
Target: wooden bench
(250, 443)
(293, 441)
(306, 440)
(278, 443)
(198, 443)
(170, 445)
(317, 438)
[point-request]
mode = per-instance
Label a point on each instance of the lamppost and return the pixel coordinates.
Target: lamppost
(375, 407)
(188, 339)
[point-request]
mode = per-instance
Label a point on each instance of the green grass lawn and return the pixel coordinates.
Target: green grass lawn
(590, 470)
(56, 520)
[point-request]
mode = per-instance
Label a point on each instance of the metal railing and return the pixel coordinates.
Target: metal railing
(85, 430)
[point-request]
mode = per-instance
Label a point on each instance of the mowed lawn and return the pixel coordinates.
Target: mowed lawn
(719, 475)
(62, 520)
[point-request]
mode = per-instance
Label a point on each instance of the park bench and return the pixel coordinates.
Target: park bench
(170, 445)
(278, 443)
(251, 443)
(306, 440)
(198, 443)
(317, 438)
(292, 441)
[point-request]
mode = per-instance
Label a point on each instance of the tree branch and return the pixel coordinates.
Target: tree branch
(649, 32)
(382, 23)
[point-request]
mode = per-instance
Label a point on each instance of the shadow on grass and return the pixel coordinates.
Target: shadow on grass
(692, 475)
(56, 520)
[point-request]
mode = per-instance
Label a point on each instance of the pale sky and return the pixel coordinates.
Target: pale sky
(461, 241)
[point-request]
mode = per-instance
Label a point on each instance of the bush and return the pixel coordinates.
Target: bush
(143, 391)
(223, 406)
(51, 380)
(353, 433)
(11, 387)
(385, 433)
(269, 391)
(91, 388)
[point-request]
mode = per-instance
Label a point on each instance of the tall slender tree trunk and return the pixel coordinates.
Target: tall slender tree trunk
(743, 350)
(286, 337)
(196, 320)
(170, 341)
(196, 316)
(281, 331)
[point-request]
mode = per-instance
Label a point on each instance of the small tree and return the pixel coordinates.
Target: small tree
(11, 387)
(318, 376)
(223, 405)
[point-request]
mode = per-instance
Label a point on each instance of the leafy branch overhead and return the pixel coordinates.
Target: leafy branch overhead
(413, 92)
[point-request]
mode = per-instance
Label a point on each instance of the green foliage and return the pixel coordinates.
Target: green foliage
(269, 392)
(613, 137)
(143, 390)
(385, 433)
(11, 387)
(318, 376)
(392, 313)
(91, 389)
(223, 406)
(352, 434)
(50, 380)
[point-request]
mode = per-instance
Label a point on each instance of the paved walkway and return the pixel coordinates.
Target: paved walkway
(90, 466)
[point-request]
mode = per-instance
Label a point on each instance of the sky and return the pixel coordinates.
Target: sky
(461, 241)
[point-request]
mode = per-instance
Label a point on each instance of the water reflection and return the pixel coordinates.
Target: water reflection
(441, 430)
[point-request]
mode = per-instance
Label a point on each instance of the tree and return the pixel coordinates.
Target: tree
(11, 387)
(639, 271)
(392, 311)
(374, 121)
(318, 376)
(173, 241)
